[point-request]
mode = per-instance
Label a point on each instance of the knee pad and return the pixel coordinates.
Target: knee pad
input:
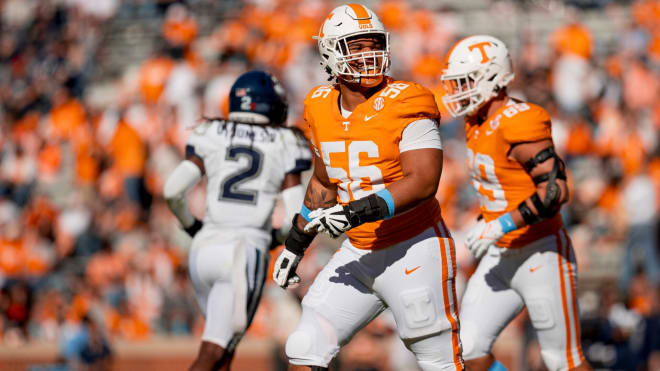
(298, 345)
(474, 346)
(313, 343)
(554, 361)
(435, 353)
(431, 365)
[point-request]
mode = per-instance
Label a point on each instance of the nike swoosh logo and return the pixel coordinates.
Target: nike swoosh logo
(535, 268)
(412, 270)
(367, 118)
(489, 132)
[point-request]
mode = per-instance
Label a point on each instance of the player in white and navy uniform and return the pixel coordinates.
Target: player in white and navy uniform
(248, 159)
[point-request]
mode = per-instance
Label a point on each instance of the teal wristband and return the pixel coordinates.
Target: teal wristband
(507, 223)
(304, 212)
(387, 196)
(497, 366)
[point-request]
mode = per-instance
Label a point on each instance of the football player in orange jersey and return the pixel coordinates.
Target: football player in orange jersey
(377, 163)
(526, 255)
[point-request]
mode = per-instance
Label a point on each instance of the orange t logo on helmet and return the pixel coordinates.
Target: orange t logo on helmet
(366, 68)
(484, 56)
(363, 17)
(488, 74)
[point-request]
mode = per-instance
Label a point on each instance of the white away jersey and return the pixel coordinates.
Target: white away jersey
(245, 166)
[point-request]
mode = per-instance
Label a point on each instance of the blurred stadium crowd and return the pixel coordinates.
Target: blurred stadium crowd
(85, 236)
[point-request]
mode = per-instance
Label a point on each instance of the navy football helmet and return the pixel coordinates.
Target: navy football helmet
(258, 97)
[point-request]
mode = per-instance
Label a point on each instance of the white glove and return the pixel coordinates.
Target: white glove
(332, 221)
(482, 235)
(284, 271)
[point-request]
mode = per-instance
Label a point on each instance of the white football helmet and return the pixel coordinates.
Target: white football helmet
(477, 68)
(344, 22)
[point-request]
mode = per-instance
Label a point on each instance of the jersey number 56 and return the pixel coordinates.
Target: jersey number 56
(349, 187)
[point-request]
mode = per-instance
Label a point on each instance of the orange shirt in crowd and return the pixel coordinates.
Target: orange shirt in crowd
(573, 39)
(303, 30)
(654, 172)
(128, 151)
(232, 35)
(103, 268)
(180, 32)
(423, 20)
(393, 14)
(80, 306)
(153, 76)
(647, 13)
(36, 263)
(12, 257)
(128, 326)
(579, 139)
(87, 168)
(428, 66)
(609, 199)
(631, 152)
(66, 118)
(50, 159)
(40, 212)
(654, 47)
(26, 125)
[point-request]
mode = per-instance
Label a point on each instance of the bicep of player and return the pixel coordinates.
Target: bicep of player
(421, 162)
(548, 172)
(421, 174)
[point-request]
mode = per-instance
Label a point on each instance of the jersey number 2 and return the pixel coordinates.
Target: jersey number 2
(229, 188)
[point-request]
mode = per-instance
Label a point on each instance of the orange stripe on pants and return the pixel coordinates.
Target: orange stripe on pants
(576, 319)
(452, 249)
(569, 354)
(445, 280)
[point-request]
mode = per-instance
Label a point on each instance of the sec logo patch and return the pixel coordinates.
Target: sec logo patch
(379, 103)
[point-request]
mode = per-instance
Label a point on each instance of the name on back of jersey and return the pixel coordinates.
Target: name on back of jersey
(247, 132)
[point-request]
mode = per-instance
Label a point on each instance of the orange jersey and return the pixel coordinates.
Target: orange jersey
(502, 183)
(361, 152)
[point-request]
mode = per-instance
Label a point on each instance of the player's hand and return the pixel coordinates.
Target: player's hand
(482, 235)
(284, 272)
(332, 220)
